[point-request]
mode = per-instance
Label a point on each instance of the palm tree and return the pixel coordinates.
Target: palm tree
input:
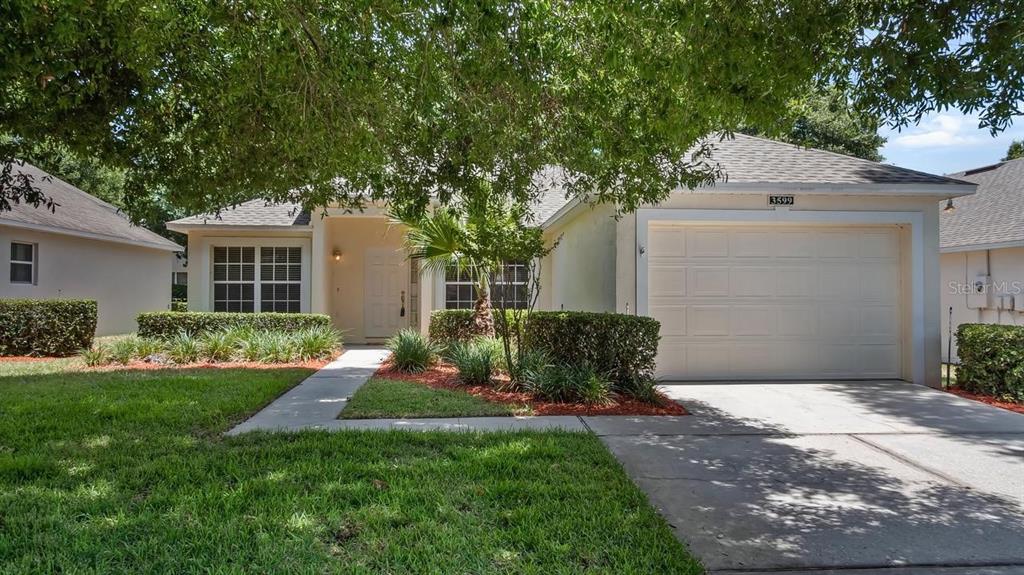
(443, 241)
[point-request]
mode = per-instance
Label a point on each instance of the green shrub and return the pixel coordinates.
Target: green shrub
(410, 351)
(217, 345)
(316, 342)
(58, 327)
(448, 326)
(166, 324)
(622, 346)
(991, 360)
(124, 350)
(146, 347)
(274, 346)
(96, 355)
(476, 360)
(179, 305)
(570, 383)
(183, 348)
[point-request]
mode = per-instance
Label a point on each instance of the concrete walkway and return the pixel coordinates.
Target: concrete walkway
(833, 477)
(316, 402)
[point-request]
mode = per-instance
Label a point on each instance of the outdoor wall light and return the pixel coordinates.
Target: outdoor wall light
(337, 255)
(949, 206)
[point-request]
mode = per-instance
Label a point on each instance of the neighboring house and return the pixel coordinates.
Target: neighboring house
(179, 269)
(83, 249)
(982, 244)
(839, 281)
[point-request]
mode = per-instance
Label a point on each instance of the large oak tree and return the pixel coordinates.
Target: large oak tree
(341, 102)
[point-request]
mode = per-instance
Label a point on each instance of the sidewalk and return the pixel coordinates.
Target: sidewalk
(316, 402)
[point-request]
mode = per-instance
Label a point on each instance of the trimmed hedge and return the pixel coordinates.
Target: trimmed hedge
(448, 326)
(991, 360)
(623, 346)
(165, 324)
(177, 305)
(58, 327)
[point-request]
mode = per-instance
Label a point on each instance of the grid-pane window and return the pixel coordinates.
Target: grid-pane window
(510, 283)
(23, 263)
(234, 278)
(280, 279)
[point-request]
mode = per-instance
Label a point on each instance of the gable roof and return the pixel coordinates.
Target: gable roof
(78, 214)
(254, 213)
(993, 215)
(748, 163)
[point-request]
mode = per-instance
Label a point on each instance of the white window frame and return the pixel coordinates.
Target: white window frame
(174, 278)
(205, 269)
(33, 263)
(240, 281)
(494, 282)
(276, 282)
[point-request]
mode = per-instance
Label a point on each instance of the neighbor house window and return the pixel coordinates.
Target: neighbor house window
(280, 279)
(510, 282)
(179, 278)
(243, 282)
(23, 263)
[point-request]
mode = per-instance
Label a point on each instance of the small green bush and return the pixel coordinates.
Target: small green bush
(167, 324)
(55, 328)
(410, 351)
(448, 326)
(991, 360)
(96, 355)
(179, 305)
(622, 346)
(217, 345)
(570, 383)
(124, 350)
(316, 342)
(183, 348)
(476, 360)
(146, 347)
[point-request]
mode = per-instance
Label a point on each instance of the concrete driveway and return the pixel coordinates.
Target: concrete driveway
(860, 477)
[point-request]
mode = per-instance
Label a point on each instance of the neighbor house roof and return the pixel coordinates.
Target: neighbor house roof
(254, 213)
(79, 214)
(993, 216)
(748, 163)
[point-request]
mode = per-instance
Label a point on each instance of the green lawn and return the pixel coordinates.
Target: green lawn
(127, 472)
(387, 398)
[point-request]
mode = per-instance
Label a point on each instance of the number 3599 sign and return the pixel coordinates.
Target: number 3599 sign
(780, 200)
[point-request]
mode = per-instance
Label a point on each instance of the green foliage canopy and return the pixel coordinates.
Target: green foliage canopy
(344, 102)
(1016, 150)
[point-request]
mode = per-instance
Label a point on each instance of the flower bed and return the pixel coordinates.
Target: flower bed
(987, 399)
(445, 376)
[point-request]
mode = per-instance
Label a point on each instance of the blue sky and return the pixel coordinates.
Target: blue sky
(946, 142)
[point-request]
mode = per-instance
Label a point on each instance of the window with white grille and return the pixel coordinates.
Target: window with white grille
(509, 283)
(281, 279)
(23, 263)
(234, 278)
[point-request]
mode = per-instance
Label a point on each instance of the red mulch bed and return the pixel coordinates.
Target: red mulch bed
(1009, 406)
(445, 376)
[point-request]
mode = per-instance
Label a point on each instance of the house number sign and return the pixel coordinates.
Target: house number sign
(780, 200)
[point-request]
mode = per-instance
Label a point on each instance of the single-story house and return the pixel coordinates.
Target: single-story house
(803, 264)
(981, 239)
(85, 248)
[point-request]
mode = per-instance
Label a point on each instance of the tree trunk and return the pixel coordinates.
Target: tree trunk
(483, 316)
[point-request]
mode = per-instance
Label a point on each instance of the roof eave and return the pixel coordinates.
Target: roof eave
(167, 245)
(185, 228)
(981, 246)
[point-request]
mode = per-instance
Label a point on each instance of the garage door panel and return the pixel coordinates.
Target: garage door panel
(708, 281)
(772, 302)
(707, 320)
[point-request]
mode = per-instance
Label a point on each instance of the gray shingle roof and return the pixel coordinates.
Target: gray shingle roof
(994, 214)
(752, 160)
(78, 212)
(252, 213)
(743, 159)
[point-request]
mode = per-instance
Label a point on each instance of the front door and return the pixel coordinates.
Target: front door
(386, 292)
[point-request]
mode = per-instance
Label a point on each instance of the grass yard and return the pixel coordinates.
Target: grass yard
(388, 398)
(127, 472)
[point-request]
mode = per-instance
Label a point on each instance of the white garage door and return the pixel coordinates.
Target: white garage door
(775, 302)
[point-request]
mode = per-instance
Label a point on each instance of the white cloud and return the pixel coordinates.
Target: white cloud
(941, 131)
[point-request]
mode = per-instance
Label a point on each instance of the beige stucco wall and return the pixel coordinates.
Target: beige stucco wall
(345, 279)
(123, 279)
(1005, 268)
(580, 283)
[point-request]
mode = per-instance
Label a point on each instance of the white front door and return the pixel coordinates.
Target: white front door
(385, 292)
